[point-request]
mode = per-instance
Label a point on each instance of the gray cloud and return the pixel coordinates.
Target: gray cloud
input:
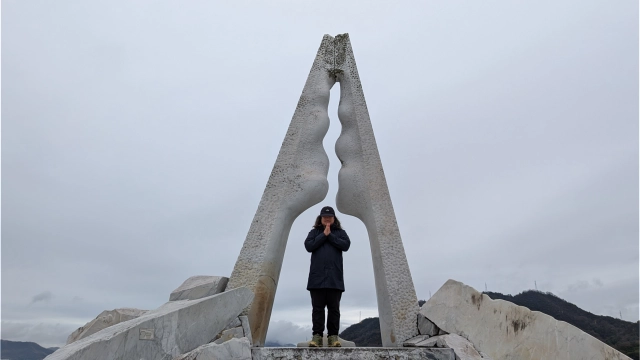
(43, 296)
(286, 332)
(46, 334)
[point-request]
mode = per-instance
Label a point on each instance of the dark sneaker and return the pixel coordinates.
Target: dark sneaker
(332, 341)
(316, 341)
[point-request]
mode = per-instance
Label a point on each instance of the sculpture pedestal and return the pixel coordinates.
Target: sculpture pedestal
(283, 353)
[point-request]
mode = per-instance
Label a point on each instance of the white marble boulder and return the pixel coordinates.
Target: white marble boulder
(233, 349)
(503, 330)
(173, 329)
(199, 286)
(104, 320)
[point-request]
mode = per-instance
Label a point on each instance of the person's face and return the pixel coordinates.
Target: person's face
(327, 220)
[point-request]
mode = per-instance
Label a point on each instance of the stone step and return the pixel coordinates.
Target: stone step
(378, 353)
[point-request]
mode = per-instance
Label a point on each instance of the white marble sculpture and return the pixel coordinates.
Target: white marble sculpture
(363, 193)
(298, 181)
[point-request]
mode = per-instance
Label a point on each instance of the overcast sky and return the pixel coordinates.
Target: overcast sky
(137, 138)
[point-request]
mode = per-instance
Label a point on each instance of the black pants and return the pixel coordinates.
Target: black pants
(331, 299)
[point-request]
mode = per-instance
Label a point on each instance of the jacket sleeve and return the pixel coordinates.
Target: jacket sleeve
(340, 240)
(314, 241)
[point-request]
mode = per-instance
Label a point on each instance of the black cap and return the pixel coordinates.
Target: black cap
(327, 211)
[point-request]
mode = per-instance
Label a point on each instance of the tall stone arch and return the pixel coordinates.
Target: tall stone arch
(299, 180)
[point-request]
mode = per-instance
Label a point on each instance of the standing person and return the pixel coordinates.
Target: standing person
(326, 242)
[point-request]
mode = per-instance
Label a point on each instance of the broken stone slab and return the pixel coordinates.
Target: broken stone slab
(503, 330)
(430, 342)
(197, 287)
(358, 353)
(234, 323)
(426, 326)
(244, 321)
(234, 349)
(229, 334)
(344, 343)
(415, 340)
(104, 320)
(462, 347)
(175, 328)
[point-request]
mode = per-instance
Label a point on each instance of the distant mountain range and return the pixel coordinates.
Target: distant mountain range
(619, 334)
(19, 350)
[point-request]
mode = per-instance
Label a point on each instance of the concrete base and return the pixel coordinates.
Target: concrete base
(282, 353)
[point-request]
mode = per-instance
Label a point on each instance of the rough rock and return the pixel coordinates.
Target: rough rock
(234, 323)
(197, 287)
(430, 342)
(462, 347)
(343, 342)
(415, 340)
(173, 329)
(426, 327)
(503, 330)
(104, 320)
(371, 353)
(229, 334)
(234, 349)
(244, 321)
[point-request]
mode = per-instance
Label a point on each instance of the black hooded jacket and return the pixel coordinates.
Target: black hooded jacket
(325, 271)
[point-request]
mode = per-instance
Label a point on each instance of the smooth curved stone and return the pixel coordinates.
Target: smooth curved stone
(363, 193)
(297, 182)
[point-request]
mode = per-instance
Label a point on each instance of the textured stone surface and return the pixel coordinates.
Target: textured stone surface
(104, 320)
(298, 181)
(229, 334)
(415, 340)
(430, 342)
(234, 349)
(426, 327)
(394, 353)
(197, 287)
(246, 328)
(174, 328)
(503, 330)
(462, 347)
(343, 342)
(363, 193)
